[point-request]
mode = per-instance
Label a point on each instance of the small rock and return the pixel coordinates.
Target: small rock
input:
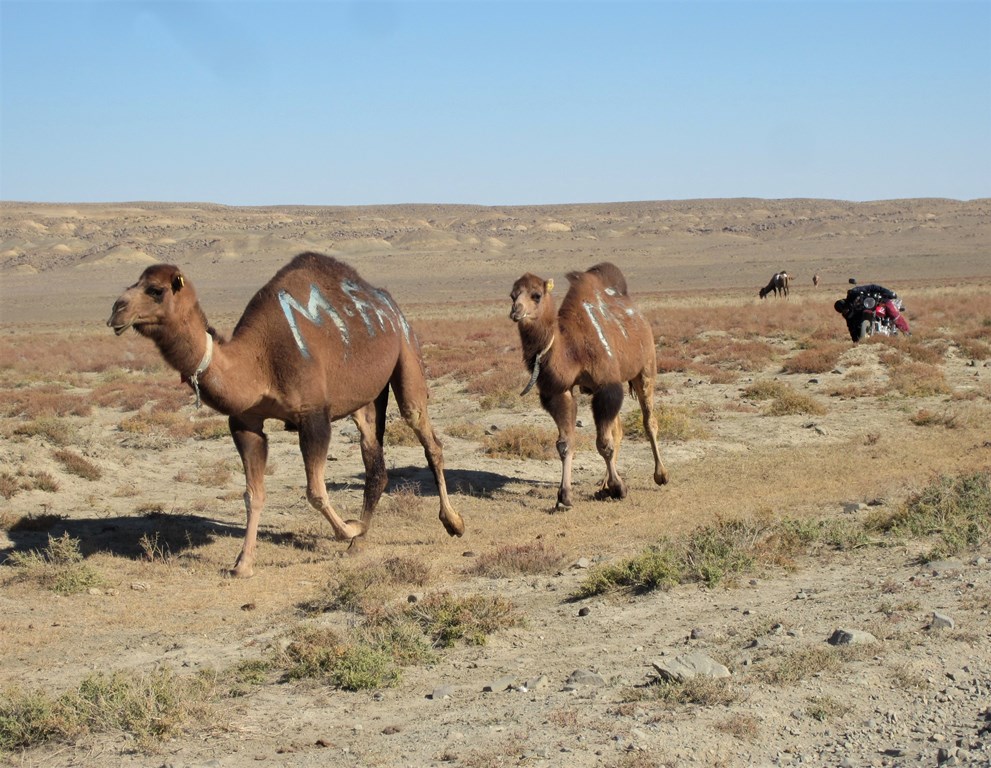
(585, 611)
(441, 692)
(697, 634)
(582, 562)
(942, 621)
(689, 665)
(499, 684)
(536, 683)
(139, 586)
(584, 677)
(851, 637)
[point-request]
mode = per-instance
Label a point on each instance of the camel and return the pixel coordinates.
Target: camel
(815, 280)
(598, 342)
(778, 284)
(315, 344)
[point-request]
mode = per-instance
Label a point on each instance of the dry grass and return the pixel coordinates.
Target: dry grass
(816, 359)
(58, 567)
(674, 423)
(519, 441)
(784, 400)
(43, 401)
(518, 559)
(77, 465)
(48, 428)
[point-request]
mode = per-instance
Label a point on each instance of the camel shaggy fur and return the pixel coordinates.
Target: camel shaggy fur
(315, 344)
(778, 284)
(597, 342)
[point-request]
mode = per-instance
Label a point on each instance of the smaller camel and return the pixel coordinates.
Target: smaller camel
(597, 342)
(315, 344)
(815, 279)
(778, 285)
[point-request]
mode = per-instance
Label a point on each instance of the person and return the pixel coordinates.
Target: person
(851, 307)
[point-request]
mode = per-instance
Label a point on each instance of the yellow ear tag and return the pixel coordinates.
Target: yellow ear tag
(182, 282)
(549, 286)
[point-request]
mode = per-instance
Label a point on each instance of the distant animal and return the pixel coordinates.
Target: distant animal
(598, 342)
(778, 284)
(815, 279)
(315, 344)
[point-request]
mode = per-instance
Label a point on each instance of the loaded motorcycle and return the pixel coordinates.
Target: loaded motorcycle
(872, 310)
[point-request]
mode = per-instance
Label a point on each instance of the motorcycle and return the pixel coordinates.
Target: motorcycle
(872, 310)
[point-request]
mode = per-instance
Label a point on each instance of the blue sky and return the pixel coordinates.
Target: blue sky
(493, 102)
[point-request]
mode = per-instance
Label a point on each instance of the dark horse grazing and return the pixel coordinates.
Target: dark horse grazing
(598, 342)
(315, 344)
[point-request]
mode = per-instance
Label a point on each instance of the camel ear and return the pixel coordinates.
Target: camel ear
(548, 286)
(177, 282)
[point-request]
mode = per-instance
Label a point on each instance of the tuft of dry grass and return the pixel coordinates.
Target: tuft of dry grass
(147, 707)
(674, 422)
(818, 359)
(447, 619)
(49, 428)
(367, 588)
(519, 441)
(77, 465)
(518, 559)
(43, 401)
(405, 500)
(58, 567)
(914, 379)
(784, 399)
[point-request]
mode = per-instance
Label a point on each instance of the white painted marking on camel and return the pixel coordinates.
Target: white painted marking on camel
(374, 307)
(590, 310)
(311, 312)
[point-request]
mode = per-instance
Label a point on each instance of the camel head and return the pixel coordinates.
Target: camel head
(157, 297)
(531, 297)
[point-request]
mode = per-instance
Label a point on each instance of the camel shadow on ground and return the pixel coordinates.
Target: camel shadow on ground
(132, 537)
(173, 533)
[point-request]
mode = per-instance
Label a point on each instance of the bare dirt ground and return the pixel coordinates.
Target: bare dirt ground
(921, 694)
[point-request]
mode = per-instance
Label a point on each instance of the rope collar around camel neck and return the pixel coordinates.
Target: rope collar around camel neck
(536, 365)
(204, 364)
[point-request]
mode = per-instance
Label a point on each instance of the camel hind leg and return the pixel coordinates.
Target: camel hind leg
(409, 385)
(606, 404)
(643, 388)
(370, 422)
(314, 441)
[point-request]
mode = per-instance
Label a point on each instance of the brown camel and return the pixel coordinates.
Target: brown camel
(815, 279)
(778, 284)
(598, 342)
(315, 344)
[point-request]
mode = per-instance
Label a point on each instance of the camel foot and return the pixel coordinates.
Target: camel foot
(453, 523)
(661, 478)
(241, 572)
(563, 501)
(612, 492)
(352, 530)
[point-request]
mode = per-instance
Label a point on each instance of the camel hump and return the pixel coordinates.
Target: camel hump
(611, 276)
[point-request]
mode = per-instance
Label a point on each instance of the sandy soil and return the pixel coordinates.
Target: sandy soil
(919, 695)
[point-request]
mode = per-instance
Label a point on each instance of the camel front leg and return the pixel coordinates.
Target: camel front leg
(643, 387)
(370, 421)
(606, 405)
(563, 408)
(252, 445)
(410, 388)
(314, 441)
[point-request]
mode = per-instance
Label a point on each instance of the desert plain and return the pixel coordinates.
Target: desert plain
(121, 504)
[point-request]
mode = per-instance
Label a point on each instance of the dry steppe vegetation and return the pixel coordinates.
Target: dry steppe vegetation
(815, 485)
